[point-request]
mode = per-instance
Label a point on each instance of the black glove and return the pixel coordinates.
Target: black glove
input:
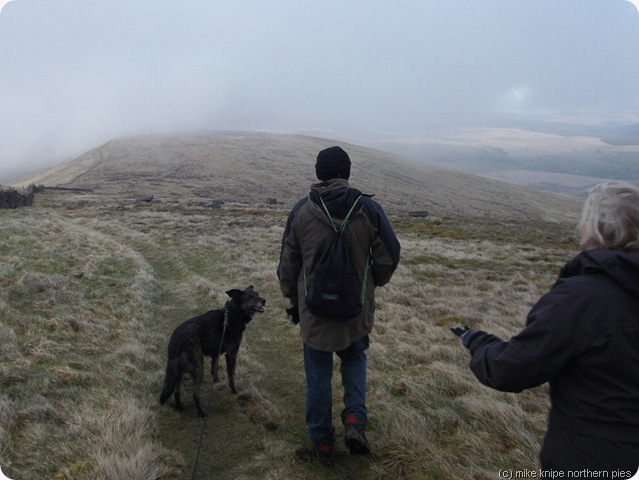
(465, 334)
(293, 313)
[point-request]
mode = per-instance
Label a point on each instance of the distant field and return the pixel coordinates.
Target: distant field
(566, 162)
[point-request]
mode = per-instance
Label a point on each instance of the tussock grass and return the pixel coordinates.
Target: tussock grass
(90, 294)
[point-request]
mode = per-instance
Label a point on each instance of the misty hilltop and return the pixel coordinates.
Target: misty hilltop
(77, 74)
(260, 167)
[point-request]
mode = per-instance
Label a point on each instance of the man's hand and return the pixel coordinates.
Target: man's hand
(293, 313)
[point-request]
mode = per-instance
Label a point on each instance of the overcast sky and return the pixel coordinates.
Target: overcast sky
(77, 73)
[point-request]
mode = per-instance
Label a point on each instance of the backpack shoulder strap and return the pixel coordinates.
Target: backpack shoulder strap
(348, 215)
(328, 214)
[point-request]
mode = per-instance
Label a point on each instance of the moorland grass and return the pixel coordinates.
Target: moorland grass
(93, 285)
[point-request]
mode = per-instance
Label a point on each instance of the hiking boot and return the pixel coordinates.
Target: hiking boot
(325, 451)
(354, 436)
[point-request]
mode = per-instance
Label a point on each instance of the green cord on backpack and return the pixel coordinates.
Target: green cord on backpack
(336, 291)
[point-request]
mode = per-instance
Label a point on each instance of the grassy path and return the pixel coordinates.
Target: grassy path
(259, 432)
(92, 291)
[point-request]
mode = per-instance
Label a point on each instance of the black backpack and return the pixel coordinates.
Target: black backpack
(336, 291)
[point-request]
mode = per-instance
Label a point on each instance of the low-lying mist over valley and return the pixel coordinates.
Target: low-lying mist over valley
(555, 157)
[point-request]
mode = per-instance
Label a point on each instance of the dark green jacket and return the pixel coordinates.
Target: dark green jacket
(308, 232)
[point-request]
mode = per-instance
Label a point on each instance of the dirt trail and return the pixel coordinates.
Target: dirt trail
(268, 408)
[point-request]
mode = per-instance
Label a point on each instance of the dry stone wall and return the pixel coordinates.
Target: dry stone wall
(12, 198)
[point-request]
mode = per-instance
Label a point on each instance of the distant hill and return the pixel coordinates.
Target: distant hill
(256, 167)
(554, 157)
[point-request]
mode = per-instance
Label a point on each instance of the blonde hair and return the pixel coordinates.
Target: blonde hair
(610, 217)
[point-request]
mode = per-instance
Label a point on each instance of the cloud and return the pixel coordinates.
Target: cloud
(76, 73)
(514, 99)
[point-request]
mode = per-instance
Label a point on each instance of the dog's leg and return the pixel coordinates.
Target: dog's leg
(198, 377)
(214, 364)
(231, 356)
(176, 392)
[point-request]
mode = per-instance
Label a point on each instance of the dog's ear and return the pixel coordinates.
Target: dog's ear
(250, 287)
(235, 294)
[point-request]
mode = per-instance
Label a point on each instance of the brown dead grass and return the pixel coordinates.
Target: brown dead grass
(91, 291)
(93, 283)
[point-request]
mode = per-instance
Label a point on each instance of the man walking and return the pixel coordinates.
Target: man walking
(374, 253)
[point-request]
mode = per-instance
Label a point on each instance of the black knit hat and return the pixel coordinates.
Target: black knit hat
(333, 162)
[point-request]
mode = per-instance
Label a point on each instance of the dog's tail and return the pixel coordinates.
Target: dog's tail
(170, 379)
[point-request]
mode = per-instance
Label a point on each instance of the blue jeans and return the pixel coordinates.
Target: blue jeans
(319, 393)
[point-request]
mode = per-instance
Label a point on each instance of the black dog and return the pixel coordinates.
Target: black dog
(210, 334)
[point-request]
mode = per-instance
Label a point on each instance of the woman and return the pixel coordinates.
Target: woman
(583, 338)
